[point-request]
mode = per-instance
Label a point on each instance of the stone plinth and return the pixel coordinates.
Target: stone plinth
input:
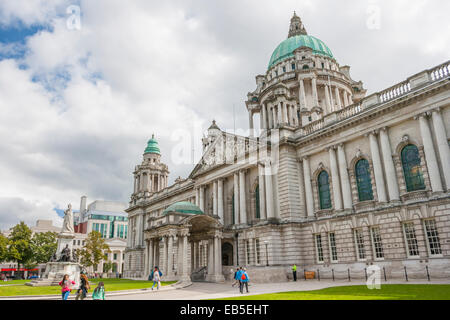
(54, 273)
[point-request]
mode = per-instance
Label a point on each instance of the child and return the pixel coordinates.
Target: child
(66, 286)
(156, 278)
(99, 292)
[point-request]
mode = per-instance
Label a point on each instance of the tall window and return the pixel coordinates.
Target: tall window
(412, 247)
(333, 250)
(363, 180)
(412, 169)
(319, 249)
(324, 190)
(258, 210)
(434, 245)
(376, 243)
(257, 252)
(359, 242)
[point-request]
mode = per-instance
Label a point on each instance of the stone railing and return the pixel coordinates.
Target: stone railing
(416, 81)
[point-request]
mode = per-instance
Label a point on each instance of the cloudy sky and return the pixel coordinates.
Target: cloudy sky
(79, 104)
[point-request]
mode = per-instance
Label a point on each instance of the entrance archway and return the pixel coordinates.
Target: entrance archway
(227, 254)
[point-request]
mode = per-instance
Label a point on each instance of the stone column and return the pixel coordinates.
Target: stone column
(338, 98)
(210, 258)
(442, 144)
(280, 114)
(430, 154)
(345, 181)
(236, 198)
(220, 200)
(314, 90)
(165, 254)
(214, 185)
(328, 100)
(274, 117)
(296, 121)
(389, 167)
(302, 95)
(285, 112)
(250, 123)
(269, 191)
(202, 198)
(146, 259)
(135, 184)
(264, 116)
(262, 193)
(197, 195)
(242, 197)
(217, 257)
(345, 98)
(151, 262)
(335, 179)
(376, 160)
(185, 257)
(169, 271)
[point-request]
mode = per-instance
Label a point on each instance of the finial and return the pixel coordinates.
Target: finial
(153, 136)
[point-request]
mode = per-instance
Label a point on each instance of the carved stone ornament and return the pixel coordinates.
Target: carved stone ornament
(405, 138)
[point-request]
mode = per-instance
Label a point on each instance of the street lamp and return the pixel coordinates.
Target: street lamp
(267, 253)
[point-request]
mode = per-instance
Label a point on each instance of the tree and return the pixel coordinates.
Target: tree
(94, 250)
(107, 266)
(4, 242)
(20, 248)
(43, 245)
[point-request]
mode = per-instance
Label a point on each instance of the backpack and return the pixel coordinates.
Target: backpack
(243, 277)
(150, 277)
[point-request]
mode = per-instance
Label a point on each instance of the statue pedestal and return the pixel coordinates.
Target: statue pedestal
(54, 273)
(63, 240)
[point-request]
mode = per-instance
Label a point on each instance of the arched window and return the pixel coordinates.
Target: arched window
(324, 190)
(363, 180)
(412, 169)
(257, 209)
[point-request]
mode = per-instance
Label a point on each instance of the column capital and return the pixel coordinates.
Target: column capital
(371, 133)
(422, 115)
(340, 145)
(436, 110)
(383, 129)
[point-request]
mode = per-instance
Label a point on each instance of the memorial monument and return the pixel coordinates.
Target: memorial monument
(64, 261)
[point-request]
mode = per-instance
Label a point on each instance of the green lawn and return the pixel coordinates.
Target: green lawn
(387, 292)
(110, 285)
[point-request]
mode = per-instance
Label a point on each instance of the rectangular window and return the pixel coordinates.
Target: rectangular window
(115, 256)
(319, 249)
(293, 66)
(434, 245)
(333, 249)
(126, 231)
(377, 244)
(412, 247)
(257, 252)
(284, 69)
(359, 242)
(74, 242)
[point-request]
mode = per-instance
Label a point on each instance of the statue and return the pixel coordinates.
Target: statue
(65, 254)
(53, 258)
(74, 256)
(68, 220)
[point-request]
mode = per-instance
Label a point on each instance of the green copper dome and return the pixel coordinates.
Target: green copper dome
(183, 207)
(286, 49)
(152, 146)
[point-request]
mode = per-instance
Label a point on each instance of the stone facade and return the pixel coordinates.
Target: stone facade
(334, 181)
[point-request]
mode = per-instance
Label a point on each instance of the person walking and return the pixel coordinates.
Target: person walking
(244, 280)
(84, 287)
(236, 279)
(66, 286)
(156, 276)
(99, 292)
(294, 272)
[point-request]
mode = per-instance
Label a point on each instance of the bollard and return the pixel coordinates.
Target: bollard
(365, 273)
(384, 272)
(349, 274)
(428, 273)
(318, 275)
(406, 274)
(304, 274)
(332, 273)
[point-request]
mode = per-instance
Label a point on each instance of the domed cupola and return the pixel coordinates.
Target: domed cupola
(152, 146)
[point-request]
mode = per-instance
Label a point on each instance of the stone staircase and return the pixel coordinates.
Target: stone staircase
(199, 275)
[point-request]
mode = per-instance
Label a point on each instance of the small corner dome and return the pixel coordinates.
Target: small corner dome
(183, 207)
(152, 146)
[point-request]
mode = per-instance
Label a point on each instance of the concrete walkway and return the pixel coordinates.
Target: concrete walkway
(200, 291)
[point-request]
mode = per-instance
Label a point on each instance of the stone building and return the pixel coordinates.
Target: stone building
(335, 180)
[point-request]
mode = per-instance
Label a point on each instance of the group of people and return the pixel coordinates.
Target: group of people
(241, 277)
(66, 288)
(155, 276)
